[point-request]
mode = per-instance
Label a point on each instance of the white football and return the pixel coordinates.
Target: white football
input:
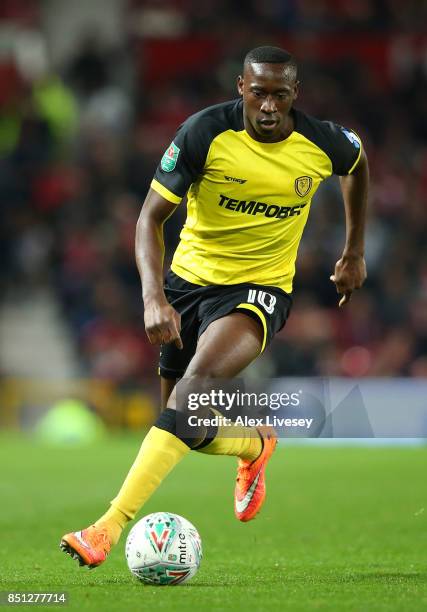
(163, 549)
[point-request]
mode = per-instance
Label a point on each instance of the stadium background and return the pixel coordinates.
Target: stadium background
(91, 92)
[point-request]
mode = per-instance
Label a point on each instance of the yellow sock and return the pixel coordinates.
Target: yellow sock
(159, 453)
(115, 521)
(237, 440)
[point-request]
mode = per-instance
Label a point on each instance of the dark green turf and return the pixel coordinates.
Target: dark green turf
(342, 529)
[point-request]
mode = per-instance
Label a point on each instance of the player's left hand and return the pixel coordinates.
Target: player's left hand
(350, 274)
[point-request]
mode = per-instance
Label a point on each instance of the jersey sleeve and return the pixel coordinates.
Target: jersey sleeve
(344, 150)
(183, 160)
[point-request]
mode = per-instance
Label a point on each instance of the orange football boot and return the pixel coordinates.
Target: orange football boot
(89, 547)
(249, 493)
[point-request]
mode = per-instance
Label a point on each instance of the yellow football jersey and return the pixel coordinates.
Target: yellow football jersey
(247, 201)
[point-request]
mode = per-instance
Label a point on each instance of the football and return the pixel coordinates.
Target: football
(163, 549)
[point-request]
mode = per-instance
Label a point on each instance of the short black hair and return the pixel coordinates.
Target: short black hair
(271, 55)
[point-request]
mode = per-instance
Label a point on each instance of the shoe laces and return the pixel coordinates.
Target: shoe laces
(100, 537)
(243, 473)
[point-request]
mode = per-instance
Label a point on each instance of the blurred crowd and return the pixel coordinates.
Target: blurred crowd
(79, 143)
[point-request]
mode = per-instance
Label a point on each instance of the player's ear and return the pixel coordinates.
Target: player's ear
(296, 89)
(240, 85)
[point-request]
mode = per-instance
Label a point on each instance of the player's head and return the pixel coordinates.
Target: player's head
(269, 87)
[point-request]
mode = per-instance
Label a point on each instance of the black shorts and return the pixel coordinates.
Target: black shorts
(199, 306)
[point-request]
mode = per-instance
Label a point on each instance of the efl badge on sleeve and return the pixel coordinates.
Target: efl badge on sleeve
(303, 185)
(170, 158)
(353, 138)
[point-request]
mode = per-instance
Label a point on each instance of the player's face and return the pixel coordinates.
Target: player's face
(268, 92)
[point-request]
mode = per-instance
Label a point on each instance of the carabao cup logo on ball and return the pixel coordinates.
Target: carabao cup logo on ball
(163, 549)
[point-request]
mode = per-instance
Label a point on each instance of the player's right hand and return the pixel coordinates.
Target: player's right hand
(162, 324)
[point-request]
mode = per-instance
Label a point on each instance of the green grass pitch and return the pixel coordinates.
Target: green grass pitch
(342, 529)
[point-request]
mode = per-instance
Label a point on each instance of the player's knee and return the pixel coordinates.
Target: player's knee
(202, 372)
(190, 393)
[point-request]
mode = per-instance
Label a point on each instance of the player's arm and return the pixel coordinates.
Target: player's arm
(350, 269)
(181, 164)
(162, 322)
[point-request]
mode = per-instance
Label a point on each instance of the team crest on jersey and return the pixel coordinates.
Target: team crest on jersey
(170, 157)
(303, 185)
